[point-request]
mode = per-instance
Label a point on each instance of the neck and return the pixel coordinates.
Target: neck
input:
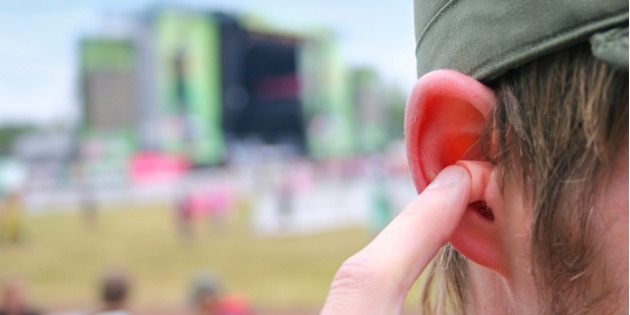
(489, 293)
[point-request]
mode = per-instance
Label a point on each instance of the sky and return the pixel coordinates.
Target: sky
(39, 41)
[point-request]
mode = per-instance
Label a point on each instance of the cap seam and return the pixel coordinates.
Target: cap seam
(449, 5)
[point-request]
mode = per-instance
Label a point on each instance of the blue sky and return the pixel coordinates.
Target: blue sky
(38, 40)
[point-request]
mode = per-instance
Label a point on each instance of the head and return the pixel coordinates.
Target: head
(540, 120)
(13, 296)
(115, 291)
(206, 293)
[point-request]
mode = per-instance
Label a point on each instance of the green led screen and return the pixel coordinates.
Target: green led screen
(188, 85)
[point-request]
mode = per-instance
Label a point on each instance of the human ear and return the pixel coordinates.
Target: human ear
(446, 113)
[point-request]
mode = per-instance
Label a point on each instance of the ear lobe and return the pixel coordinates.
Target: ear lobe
(444, 117)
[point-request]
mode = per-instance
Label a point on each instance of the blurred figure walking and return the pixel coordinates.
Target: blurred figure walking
(184, 216)
(12, 218)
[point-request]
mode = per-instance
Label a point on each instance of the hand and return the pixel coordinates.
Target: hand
(376, 279)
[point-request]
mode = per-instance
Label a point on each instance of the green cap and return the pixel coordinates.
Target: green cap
(485, 38)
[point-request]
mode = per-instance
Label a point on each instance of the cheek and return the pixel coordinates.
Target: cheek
(616, 229)
(612, 259)
(611, 229)
(610, 226)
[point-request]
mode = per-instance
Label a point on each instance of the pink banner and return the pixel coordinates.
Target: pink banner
(148, 167)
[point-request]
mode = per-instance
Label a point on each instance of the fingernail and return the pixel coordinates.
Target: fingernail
(448, 177)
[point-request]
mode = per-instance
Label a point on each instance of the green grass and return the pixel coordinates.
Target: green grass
(62, 260)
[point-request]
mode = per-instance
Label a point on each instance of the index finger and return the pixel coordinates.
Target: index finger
(414, 237)
(377, 279)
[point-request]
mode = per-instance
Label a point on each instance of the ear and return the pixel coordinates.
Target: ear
(445, 115)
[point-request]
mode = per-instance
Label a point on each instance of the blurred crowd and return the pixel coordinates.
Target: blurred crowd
(207, 296)
(289, 186)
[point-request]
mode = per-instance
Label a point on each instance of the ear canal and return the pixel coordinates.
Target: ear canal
(483, 209)
(479, 172)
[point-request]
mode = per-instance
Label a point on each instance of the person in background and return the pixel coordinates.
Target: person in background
(209, 298)
(14, 301)
(183, 215)
(12, 218)
(114, 290)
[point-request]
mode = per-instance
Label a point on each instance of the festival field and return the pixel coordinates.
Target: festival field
(62, 259)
